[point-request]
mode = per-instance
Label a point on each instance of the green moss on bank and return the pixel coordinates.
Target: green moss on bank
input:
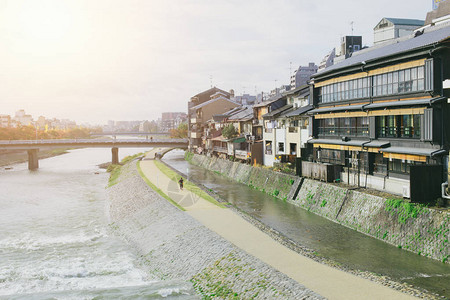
(187, 184)
(404, 210)
(156, 189)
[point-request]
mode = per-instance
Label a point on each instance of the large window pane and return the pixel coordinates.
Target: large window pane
(420, 85)
(395, 77)
(389, 77)
(416, 126)
(420, 72)
(401, 76)
(389, 90)
(407, 74)
(414, 73)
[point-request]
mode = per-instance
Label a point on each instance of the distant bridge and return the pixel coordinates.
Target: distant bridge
(33, 146)
(129, 133)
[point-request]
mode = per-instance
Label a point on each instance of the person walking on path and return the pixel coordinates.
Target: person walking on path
(181, 183)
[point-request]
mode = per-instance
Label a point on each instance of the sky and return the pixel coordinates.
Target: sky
(98, 60)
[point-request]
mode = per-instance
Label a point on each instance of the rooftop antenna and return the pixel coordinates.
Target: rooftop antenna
(210, 80)
(352, 46)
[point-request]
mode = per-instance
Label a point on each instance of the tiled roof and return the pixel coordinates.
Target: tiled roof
(429, 37)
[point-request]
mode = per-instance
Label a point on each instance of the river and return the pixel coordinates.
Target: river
(54, 236)
(328, 239)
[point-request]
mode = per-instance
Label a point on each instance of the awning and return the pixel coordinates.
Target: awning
(239, 140)
(338, 108)
(356, 143)
(219, 138)
(299, 111)
(398, 103)
(411, 151)
(377, 144)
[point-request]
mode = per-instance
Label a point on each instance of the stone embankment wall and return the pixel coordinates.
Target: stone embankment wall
(418, 229)
(174, 246)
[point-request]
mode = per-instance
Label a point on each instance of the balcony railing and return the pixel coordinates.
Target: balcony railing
(220, 149)
(402, 132)
(257, 122)
(347, 131)
(240, 154)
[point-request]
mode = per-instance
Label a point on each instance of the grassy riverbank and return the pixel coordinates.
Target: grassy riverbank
(11, 157)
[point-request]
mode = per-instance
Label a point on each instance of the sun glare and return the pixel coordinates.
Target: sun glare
(42, 26)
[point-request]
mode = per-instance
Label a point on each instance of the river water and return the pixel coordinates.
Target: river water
(55, 242)
(343, 245)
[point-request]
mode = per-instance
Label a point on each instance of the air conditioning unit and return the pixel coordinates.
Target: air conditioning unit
(406, 192)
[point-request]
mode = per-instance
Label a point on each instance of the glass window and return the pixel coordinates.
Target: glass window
(414, 85)
(407, 74)
(389, 77)
(395, 77)
(414, 73)
(416, 126)
(395, 88)
(420, 84)
(401, 76)
(280, 147)
(420, 72)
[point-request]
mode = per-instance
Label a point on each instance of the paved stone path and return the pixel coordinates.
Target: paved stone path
(324, 280)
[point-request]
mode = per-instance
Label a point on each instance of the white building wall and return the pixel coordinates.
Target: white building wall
(280, 137)
(268, 159)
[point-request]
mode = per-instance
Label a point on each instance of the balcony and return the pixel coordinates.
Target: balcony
(220, 149)
(241, 154)
(257, 122)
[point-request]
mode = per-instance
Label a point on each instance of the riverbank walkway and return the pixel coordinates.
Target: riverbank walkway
(324, 280)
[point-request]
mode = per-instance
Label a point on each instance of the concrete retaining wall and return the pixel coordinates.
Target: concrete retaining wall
(274, 183)
(417, 229)
(174, 246)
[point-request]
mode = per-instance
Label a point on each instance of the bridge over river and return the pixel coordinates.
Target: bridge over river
(33, 146)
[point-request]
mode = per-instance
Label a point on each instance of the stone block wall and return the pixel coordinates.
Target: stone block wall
(418, 229)
(174, 246)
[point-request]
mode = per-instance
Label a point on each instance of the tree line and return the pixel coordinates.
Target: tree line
(31, 133)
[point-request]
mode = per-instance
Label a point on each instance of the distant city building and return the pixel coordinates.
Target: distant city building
(22, 118)
(41, 122)
(439, 14)
(171, 120)
(391, 28)
(244, 99)
(349, 45)
(328, 60)
(122, 126)
(279, 91)
(5, 120)
(302, 75)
